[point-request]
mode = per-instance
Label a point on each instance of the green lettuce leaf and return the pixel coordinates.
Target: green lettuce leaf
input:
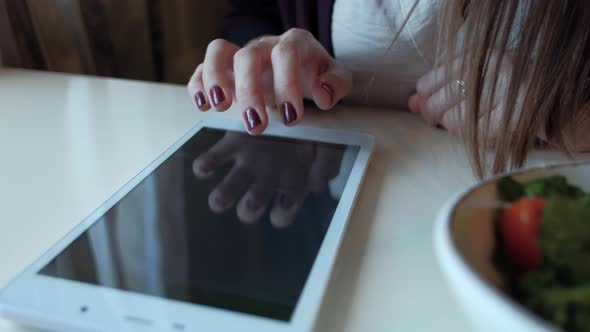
(556, 185)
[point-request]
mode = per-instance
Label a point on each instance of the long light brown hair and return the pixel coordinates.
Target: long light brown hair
(548, 88)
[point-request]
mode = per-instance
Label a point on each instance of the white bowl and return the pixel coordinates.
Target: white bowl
(464, 243)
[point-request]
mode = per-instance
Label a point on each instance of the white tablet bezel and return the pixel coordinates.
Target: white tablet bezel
(31, 298)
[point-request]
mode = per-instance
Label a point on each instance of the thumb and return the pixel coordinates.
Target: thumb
(331, 86)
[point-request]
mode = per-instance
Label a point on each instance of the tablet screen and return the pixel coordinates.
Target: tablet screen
(229, 220)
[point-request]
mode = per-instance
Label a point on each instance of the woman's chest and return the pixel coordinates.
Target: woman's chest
(385, 72)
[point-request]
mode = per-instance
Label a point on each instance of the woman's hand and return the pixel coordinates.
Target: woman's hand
(440, 100)
(269, 73)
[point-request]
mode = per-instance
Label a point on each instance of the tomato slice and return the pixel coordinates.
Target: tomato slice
(519, 227)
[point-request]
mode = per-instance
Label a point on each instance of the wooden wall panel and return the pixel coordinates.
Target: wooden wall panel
(18, 40)
(131, 38)
(74, 21)
(60, 50)
(97, 35)
(161, 40)
(9, 54)
(186, 29)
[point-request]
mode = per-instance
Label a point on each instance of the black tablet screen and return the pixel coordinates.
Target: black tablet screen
(229, 220)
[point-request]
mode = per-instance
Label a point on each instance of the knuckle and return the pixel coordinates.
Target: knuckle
(198, 74)
(246, 93)
(195, 79)
(283, 49)
(290, 88)
(211, 73)
(422, 85)
(216, 45)
(192, 85)
(245, 55)
(267, 40)
(296, 34)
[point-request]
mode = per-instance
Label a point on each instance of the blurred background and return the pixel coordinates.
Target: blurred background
(154, 40)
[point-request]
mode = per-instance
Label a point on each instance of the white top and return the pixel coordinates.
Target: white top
(69, 142)
(362, 33)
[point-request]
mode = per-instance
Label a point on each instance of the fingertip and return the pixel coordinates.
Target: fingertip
(201, 168)
(414, 104)
(217, 202)
(284, 211)
(249, 210)
(280, 220)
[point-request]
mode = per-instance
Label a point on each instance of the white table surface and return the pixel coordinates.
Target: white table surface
(68, 143)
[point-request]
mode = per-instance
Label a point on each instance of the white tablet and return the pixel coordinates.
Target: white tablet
(223, 232)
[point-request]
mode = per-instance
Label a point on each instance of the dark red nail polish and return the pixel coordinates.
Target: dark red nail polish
(328, 89)
(200, 99)
(288, 112)
(252, 118)
(217, 95)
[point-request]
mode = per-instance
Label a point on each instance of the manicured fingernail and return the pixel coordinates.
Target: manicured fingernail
(252, 118)
(200, 100)
(217, 95)
(328, 89)
(288, 112)
(285, 202)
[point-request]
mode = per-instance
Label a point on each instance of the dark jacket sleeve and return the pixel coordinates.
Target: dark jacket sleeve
(248, 19)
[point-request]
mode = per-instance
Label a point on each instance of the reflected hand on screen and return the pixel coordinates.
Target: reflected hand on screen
(266, 174)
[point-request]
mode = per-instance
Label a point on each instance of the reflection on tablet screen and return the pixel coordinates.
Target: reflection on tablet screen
(229, 220)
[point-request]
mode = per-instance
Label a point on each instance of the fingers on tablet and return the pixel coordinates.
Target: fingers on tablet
(248, 67)
(217, 74)
(331, 85)
(197, 90)
(286, 61)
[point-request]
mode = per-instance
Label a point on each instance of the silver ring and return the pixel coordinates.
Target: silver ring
(462, 87)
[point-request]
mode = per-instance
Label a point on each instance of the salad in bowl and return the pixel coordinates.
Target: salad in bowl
(516, 250)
